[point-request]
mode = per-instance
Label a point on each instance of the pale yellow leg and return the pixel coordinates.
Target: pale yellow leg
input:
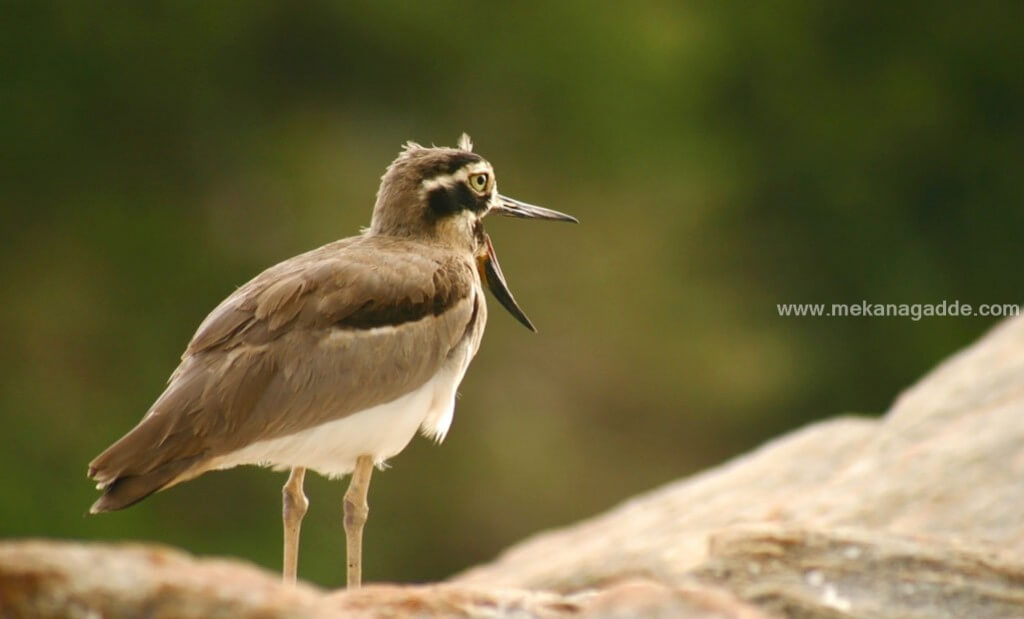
(356, 511)
(294, 508)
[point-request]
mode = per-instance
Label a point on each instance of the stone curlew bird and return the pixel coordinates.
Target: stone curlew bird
(333, 359)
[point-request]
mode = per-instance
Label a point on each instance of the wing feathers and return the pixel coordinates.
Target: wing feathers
(305, 342)
(281, 301)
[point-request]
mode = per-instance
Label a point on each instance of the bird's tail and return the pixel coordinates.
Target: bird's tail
(151, 457)
(164, 448)
(126, 490)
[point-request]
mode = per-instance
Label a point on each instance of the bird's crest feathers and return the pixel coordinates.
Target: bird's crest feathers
(411, 146)
(465, 143)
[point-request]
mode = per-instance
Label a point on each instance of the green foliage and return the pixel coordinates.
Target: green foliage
(723, 158)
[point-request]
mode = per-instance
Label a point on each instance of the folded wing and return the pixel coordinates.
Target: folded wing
(308, 341)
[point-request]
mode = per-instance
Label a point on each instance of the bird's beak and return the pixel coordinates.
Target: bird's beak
(490, 270)
(508, 207)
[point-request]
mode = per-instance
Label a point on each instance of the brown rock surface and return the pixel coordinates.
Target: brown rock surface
(48, 579)
(40, 578)
(917, 514)
(797, 572)
(628, 599)
(946, 461)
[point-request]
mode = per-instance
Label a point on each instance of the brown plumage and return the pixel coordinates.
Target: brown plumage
(252, 370)
(332, 359)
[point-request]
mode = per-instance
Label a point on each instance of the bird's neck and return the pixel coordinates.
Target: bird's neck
(462, 231)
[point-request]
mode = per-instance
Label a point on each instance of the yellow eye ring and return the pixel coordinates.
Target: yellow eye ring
(478, 182)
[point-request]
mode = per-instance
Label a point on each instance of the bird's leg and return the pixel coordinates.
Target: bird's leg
(294, 506)
(356, 511)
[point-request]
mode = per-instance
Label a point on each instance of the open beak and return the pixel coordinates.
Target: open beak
(514, 208)
(490, 270)
(487, 263)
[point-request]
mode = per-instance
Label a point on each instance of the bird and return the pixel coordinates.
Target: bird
(332, 360)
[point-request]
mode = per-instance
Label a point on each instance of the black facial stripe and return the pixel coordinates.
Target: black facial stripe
(443, 201)
(457, 161)
(469, 198)
(449, 165)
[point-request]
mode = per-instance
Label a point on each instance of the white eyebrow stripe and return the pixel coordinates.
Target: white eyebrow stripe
(445, 180)
(450, 180)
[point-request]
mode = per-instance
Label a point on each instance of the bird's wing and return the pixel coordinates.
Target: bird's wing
(307, 341)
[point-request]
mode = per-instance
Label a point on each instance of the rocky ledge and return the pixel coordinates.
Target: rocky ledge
(916, 514)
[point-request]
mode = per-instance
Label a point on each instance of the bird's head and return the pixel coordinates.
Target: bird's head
(442, 195)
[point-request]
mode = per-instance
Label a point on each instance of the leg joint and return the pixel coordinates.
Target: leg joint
(356, 512)
(294, 502)
(293, 499)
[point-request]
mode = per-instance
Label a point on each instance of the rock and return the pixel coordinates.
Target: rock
(916, 514)
(799, 572)
(450, 600)
(646, 598)
(945, 463)
(43, 579)
(628, 599)
(664, 534)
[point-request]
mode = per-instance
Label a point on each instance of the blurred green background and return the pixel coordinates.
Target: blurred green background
(723, 157)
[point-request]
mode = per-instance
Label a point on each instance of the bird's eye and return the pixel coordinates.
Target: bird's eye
(478, 181)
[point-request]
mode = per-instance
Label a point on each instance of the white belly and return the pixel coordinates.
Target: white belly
(331, 448)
